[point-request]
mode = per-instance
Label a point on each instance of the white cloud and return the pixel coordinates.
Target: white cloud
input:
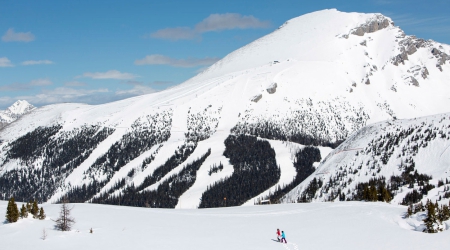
(26, 86)
(135, 91)
(5, 62)
(185, 63)
(31, 62)
(12, 36)
(228, 21)
(178, 33)
(15, 87)
(215, 22)
(75, 95)
(64, 94)
(75, 84)
(41, 82)
(111, 74)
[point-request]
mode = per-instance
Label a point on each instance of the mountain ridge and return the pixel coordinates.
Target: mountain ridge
(313, 82)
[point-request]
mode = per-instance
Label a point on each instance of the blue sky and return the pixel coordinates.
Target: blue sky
(100, 51)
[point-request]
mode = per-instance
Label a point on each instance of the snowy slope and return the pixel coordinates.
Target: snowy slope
(383, 150)
(348, 225)
(15, 111)
(314, 81)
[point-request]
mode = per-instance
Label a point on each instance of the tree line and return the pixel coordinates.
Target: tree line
(255, 170)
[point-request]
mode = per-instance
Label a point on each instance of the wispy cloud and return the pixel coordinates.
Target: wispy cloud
(228, 21)
(31, 62)
(12, 36)
(75, 84)
(184, 63)
(76, 95)
(215, 22)
(133, 82)
(178, 33)
(135, 91)
(111, 74)
(26, 86)
(436, 24)
(41, 82)
(64, 94)
(5, 62)
(15, 87)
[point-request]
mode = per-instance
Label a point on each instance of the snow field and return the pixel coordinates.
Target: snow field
(349, 225)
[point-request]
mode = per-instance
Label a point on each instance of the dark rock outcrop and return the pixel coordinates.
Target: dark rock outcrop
(272, 88)
(256, 98)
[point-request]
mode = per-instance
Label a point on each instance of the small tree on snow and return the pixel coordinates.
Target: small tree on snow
(12, 212)
(64, 221)
(23, 212)
(41, 215)
(35, 209)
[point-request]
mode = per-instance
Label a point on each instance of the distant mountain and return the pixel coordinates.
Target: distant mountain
(253, 125)
(14, 112)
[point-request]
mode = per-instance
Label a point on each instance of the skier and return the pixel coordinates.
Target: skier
(283, 237)
(278, 235)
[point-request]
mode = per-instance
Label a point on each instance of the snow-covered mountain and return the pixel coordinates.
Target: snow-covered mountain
(411, 157)
(312, 82)
(14, 112)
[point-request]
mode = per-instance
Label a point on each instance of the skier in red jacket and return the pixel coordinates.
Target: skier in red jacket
(278, 235)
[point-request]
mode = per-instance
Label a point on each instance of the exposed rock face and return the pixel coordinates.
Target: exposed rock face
(408, 46)
(418, 70)
(411, 44)
(410, 80)
(3, 124)
(400, 58)
(272, 88)
(441, 56)
(367, 82)
(377, 23)
(256, 98)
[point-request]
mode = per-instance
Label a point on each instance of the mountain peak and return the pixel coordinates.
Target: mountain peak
(20, 107)
(16, 110)
(310, 37)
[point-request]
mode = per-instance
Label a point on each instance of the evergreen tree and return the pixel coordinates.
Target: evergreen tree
(373, 194)
(445, 213)
(41, 215)
(430, 221)
(385, 196)
(12, 212)
(35, 209)
(23, 212)
(410, 210)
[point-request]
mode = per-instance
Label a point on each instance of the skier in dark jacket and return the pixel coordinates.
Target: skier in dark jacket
(283, 237)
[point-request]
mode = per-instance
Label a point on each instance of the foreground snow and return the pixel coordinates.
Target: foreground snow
(340, 225)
